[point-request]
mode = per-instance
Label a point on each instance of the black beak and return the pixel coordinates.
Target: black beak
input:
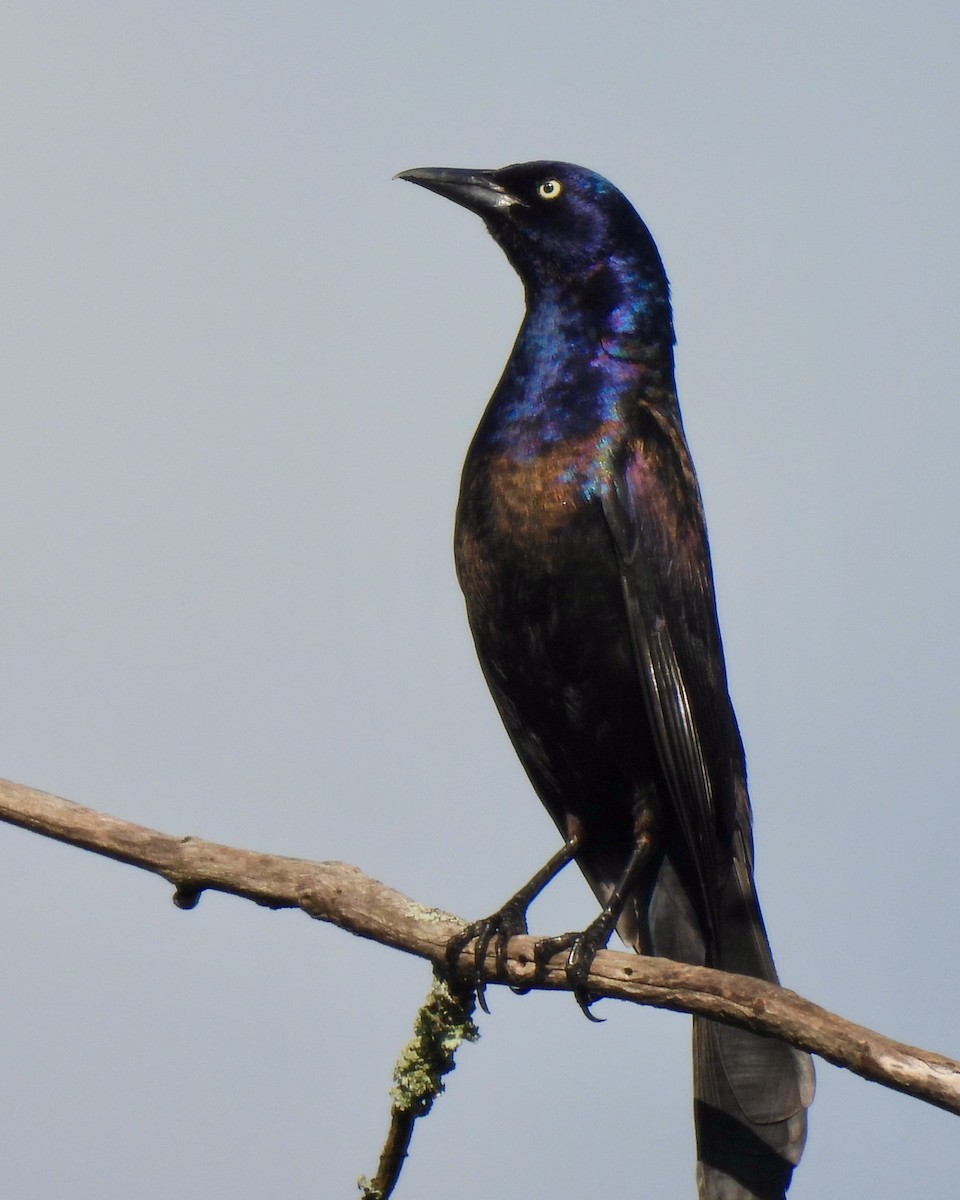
(476, 190)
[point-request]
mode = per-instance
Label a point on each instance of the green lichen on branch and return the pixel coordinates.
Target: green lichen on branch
(444, 1021)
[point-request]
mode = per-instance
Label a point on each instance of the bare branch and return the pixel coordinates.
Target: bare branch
(343, 895)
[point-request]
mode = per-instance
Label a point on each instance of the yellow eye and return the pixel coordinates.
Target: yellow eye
(550, 189)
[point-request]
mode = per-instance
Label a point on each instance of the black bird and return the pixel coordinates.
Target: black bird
(582, 552)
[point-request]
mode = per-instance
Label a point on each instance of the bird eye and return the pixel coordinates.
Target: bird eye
(550, 189)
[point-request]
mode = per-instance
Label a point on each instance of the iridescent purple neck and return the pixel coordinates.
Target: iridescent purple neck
(584, 349)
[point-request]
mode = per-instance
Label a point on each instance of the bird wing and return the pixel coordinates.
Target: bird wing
(751, 1093)
(655, 518)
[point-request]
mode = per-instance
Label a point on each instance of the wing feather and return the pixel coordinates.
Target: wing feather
(660, 540)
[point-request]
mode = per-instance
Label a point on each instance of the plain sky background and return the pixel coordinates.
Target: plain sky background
(240, 368)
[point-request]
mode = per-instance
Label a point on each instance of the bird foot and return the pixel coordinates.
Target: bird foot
(497, 929)
(582, 949)
(508, 921)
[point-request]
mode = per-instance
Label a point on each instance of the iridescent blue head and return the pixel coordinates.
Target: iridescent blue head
(567, 230)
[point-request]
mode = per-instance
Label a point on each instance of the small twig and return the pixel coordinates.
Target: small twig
(443, 1023)
(344, 896)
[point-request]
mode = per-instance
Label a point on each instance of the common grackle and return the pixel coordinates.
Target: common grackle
(582, 553)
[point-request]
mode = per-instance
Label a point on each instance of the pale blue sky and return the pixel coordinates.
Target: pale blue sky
(240, 370)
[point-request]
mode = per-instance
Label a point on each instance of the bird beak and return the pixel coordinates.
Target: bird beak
(476, 190)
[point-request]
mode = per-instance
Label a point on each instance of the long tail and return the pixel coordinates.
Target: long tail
(750, 1093)
(750, 1100)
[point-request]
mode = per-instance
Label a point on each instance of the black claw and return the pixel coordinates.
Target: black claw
(505, 923)
(584, 1000)
(497, 930)
(581, 950)
(546, 948)
(478, 930)
(579, 960)
(484, 936)
(480, 991)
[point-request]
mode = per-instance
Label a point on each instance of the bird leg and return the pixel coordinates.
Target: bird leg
(583, 947)
(509, 920)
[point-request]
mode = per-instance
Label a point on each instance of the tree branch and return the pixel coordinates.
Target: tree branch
(343, 895)
(443, 1023)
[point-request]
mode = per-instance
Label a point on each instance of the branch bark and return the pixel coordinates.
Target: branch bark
(344, 896)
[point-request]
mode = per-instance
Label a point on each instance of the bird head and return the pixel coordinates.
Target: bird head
(556, 222)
